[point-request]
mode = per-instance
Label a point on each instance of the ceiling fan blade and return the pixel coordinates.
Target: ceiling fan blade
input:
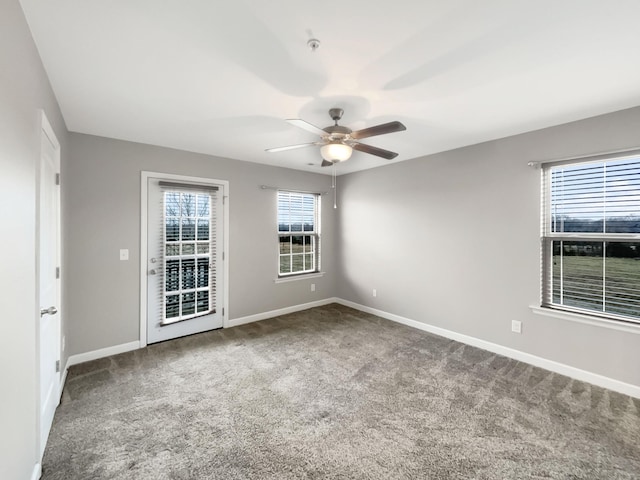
(378, 130)
(289, 147)
(375, 151)
(326, 163)
(307, 126)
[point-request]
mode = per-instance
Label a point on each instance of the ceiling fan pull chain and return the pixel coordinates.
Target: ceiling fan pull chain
(333, 185)
(333, 175)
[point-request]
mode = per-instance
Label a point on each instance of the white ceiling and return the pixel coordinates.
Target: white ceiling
(220, 77)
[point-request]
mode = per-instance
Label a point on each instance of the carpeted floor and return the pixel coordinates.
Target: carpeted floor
(333, 393)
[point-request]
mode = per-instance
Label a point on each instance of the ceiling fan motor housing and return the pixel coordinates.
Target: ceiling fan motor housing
(337, 133)
(337, 130)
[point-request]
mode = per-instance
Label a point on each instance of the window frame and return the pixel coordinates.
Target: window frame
(548, 237)
(315, 234)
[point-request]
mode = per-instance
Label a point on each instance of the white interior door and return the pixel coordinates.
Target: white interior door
(184, 249)
(49, 288)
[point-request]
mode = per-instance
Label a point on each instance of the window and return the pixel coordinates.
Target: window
(189, 289)
(591, 237)
(298, 233)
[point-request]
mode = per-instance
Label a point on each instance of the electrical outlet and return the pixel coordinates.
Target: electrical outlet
(516, 326)
(124, 254)
(375, 292)
(313, 287)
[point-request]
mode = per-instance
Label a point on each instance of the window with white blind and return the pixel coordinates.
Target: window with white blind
(298, 233)
(591, 237)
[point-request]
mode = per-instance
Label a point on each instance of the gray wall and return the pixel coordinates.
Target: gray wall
(102, 185)
(24, 89)
(452, 240)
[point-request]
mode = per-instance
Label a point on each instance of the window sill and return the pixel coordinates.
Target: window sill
(303, 276)
(586, 319)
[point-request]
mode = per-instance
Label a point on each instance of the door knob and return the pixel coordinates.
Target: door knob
(48, 311)
(153, 260)
(152, 271)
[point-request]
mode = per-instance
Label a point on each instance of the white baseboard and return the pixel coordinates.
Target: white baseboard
(281, 311)
(101, 353)
(126, 347)
(37, 472)
(561, 368)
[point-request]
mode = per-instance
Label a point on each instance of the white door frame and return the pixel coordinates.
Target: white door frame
(144, 196)
(47, 131)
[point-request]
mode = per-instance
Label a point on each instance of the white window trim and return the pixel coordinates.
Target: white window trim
(295, 277)
(586, 319)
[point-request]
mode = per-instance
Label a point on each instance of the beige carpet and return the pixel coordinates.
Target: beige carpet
(333, 393)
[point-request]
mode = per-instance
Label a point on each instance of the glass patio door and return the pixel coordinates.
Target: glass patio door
(183, 271)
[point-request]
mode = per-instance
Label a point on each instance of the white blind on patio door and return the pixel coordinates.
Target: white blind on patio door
(188, 245)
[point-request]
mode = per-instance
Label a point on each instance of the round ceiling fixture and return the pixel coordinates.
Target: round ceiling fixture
(313, 44)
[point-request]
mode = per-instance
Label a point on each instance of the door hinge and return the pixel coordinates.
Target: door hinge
(57, 273)
(224, 199)
(57, 179)
(223, 256)
(223, 311)
(57, 365)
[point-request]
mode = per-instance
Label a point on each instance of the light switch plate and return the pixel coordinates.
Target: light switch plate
(124, 254)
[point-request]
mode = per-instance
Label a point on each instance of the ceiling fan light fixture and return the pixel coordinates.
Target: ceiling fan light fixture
(338, 142)
(336, 152)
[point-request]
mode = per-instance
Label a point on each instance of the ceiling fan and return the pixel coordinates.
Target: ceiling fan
(337, 142)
